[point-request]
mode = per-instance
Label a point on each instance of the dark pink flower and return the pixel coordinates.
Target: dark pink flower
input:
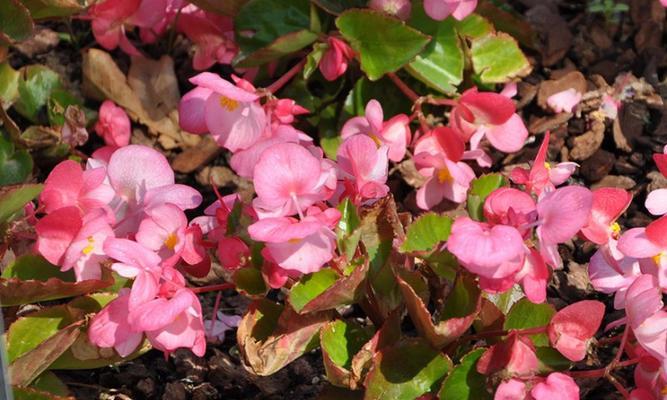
(113, 125)
(335, 59)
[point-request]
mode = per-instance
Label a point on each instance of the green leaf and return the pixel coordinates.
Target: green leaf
(13, 198)
(346, 231)
(497, 58)
(510, 22)
(57, 104)
(15, 21)
(406, 371)
(42, 9)
(9, 84)
(250, 281)
(311, 286)
(550, 359)
(33, 266)
(525, 314)
(365, 90)
(225, 7)
(480, 189)
(426, 232)
(341, 340)
(465, 383)
(338, 6)
(474, 27)
(505, 301)
(35, 88)
(30, 393)
(440, 65)
(345, 290)
(49, 382)
(384, 43)
(15, 165)
(313, 59)
(269, 29)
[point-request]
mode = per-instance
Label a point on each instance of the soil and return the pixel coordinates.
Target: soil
(569, 39)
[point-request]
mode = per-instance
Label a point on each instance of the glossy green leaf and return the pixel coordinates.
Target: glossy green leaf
(465, 383)
(33, 266)
(474, 26)
(49, 382)
(311, 286)
(365, 90)
(313, 59)
(497, 58)
(346, 232)
(42, 9)
(344, 291)
(426, 232)
(15, 21)
(550, 359)
(250, 281)
(269, 29)
(35, 88)
(524, 315)
(406, 371)
(341, 340)
(13, 198)
(225, 7)
(384, 43)
(505, 301)
(9, 84)
(30, 393)
(440, 65)
(15, 165)
(480, 189)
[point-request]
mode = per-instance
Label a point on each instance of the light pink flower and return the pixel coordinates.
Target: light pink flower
(335, 59)
(564, 101)
(509, 206)
(212, 35)
(644, 308)
(612, 273)
(163, 231)
(557, 386)
(113, 125)
(608, 205)
(110, 327)
(441, 9)
(108, 23)
(398, 8)
(491, 115)
(363, 168)
(512, 389)
(229, 111)
(572, 328)
(132, 258)
(515, 356)
(394, 133)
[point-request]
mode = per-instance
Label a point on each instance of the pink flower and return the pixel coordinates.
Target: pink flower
(66, 239)
(288, 178)
(213, 36)
(69, 186)
(195, 253)
(163, 231)
(230, 112)
(512, 389)
(113, 125)
(215, 329)
(515, 356)
(233, 253)
(644, 308)
(441, 9)
(564, 101)
(491, 115)
(110, 327)
(649, 245)
(611, 272)
(132, 258)
(542, 175)
(303, 246)
(334, 61)
(493, 252)
(108, 23)
(509, 206)
(608, 205)
(398, 8)
(557, 386)
(283, 111)
(448, 177)
(572, 328)
(363, 167)
(656, 201)
(394, 133)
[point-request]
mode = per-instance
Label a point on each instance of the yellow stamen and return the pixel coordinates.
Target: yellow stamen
(376, 139)
(228, 104)
(294, 241)
(657, 257)
(615, 227)
(444, 176)
(663, 391)
(171, 241)
(89, 249)
(547, 165)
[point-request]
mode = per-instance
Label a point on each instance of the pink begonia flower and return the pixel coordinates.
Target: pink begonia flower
(561, 214)
(509, 206)
(160, 19)
(649, 376)
(108, 23)
(110, 326)
(441, 9)
(303, 246)
(564, 101)
(113, 125)
(663, 2)
(195, 253)
(275, 276)
(649, 245)
(491, 115)
(69, 186)
(493, 252)
(132, 258)
(283, 111)
(231, 112)
(214, 221)
(66, 239)
(612, 273)
(394, 133)
(646, 316)
(533, 277)
(232, 253)
(398, 8)
(608, 205)
(212, 35)
(656, 201)
(288, 178)
(557, 386)
(448, 177)
(542, 175)
(335, 59)
(364, 168)
(163, 231)
(515, 356)
(572, 328)
(215, 329)
(142, 179)
(512, 389)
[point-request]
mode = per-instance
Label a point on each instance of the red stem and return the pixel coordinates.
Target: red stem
(213, 288)
(277, 85)
(409, 93)
(599, 373)
(528, 331)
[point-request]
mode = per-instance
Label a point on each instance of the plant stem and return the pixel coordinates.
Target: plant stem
(277, 85)
(213, 288)
(409, 93)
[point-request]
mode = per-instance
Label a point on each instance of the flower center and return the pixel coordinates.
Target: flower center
(547, 165)
(91, 246)
(228, 104)
(376, 139)
(657, 257)
(171, 241)
(294, 241)
(615, 230)
(444, 176)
